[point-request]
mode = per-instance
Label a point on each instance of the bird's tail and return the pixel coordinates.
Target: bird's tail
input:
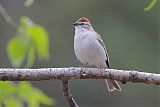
(112, 85)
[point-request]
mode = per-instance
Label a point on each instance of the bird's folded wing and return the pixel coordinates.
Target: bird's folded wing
(99, 39)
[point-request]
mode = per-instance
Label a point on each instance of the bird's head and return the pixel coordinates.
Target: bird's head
(83, 23)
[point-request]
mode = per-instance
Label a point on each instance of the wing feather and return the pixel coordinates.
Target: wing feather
(99, 39)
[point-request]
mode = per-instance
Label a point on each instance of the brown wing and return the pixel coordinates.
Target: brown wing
(103, 45)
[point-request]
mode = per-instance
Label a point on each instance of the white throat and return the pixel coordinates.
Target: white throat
(83, 28)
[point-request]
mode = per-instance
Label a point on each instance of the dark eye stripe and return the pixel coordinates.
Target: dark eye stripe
(84, 24)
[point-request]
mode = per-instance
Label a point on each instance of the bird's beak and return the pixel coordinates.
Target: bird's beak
(75, 23)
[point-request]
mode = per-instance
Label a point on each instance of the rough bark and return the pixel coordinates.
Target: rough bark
(65, 74)
(12, 74)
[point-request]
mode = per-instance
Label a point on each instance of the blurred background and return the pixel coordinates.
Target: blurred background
(130, 35)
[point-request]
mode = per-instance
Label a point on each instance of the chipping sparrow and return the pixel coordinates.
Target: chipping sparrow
(90, 49)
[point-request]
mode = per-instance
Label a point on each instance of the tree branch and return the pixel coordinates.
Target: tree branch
(66, 74)
(78, 73)
(67, 94)
(8, 19)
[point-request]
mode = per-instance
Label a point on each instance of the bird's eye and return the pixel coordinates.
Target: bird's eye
(85, 24)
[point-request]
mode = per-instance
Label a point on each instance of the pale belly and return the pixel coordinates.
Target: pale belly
(90, 52)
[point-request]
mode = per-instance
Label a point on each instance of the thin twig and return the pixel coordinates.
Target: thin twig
(67, 94)
(7, 18)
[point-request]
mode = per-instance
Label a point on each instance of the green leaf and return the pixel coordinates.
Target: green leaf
(12, 95)
(37, 97)
(16, 49)
(13, 102)
(42, 98)
(28, 3)
(40, 39)
(25, 22)
(150, 6)
(32, 95)
(31, 56)
(31, 39)
(24, 89)
(24, 86)
(6, 89)
(33, 103)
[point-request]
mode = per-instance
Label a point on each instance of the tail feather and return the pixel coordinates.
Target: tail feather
(112, 85)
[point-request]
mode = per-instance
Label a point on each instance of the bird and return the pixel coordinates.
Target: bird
(90, 49)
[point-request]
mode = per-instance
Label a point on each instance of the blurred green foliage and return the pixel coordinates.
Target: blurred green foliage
(31, 39)
(28, 3)
(151, 5)
(16, 95)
